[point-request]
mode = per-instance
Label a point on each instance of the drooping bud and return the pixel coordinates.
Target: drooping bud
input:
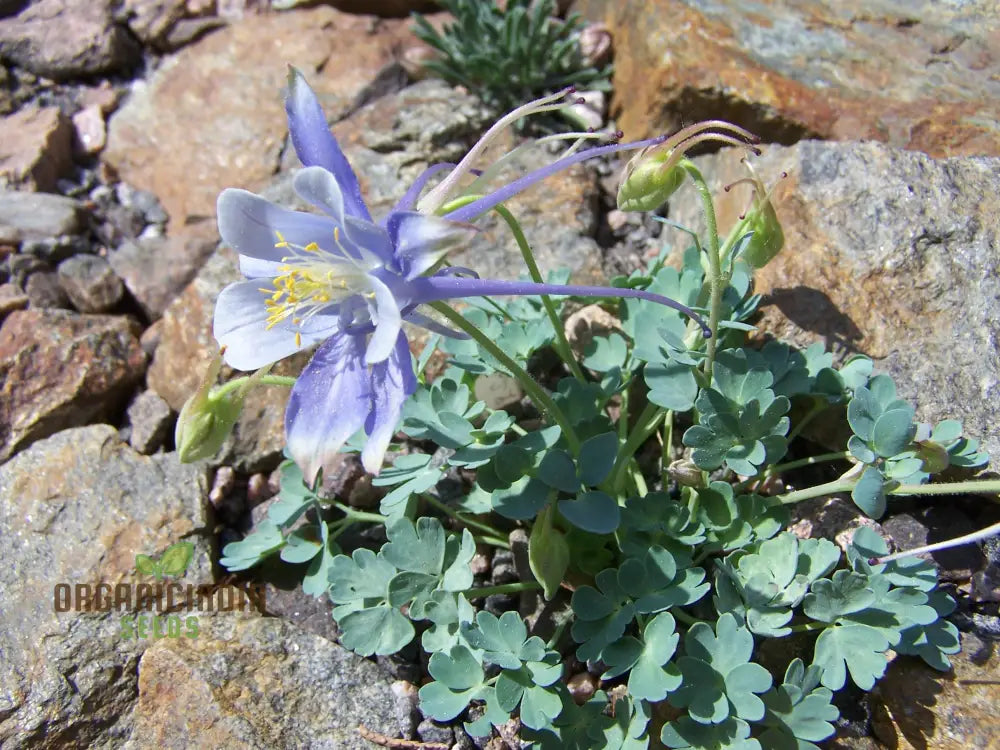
(208, 417)
(768, 237)
(655, 173)
(686, 473)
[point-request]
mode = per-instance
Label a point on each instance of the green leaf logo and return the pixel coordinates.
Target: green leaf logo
(173, 562)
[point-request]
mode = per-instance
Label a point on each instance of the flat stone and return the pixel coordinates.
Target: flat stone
(90, 283)
(36, 147)
(201, 124)
(917, 707)
(60, 370)
(150, 419)
(78, 507)
(39, 215)
(889, 253)
(252, 682)
(922, 75)
(156, 270)
(152, 20)
(383, 8)
(62, 39)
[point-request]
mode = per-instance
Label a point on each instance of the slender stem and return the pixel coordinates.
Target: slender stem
(972, 487)
(809, 627)
(680, 614)
(668, 442)
(645, 426)
(957, 541)
(830, 488)
(359, 515)
(493, 541)
(716, 281)
(505, 588)
(539, 397)
(640, 483)
(284, 381)
(452, 513)
(562, 347)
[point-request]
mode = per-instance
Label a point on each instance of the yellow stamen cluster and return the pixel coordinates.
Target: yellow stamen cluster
(310, 279)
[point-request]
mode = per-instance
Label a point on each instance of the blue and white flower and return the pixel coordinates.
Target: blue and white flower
(339, 279)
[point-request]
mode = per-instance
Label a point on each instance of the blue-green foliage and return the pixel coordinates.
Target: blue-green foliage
(510, 56)
(673, 587)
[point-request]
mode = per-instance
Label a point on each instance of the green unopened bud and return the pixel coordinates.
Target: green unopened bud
(654, 174)
(208, 417)
(768, 237)
(650, 179)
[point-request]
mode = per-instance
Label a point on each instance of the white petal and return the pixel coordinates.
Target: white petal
(250, 225)
(241, 326)
(388, 323)
(319, 187)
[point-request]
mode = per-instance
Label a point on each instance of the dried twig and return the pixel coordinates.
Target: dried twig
(397, 743)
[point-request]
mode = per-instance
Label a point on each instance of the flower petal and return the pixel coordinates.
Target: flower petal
(241, 326)
(392, 382)
(420, 241)
(319, 187)
(329, 402)
(255, 268)
(419, 319)
(250, 225)
(315, 144)
(388, 321)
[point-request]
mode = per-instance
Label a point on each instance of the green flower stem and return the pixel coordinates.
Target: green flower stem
(716, 280)
(988, 487)
(284, 381)
(810, 627)
(539, 397)
(645, 426)
(359, 515)
(807, 461)
(562, 347)
(640, 482)
(493, 541)
(668, 442)
(956, 542)
(452, 513)
(682, 616)
(506, 588)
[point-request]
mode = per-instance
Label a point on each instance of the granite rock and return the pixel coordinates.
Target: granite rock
(90, 283)
(36, 147)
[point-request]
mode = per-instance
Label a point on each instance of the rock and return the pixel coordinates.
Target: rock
(62, 39)
(78, 507)
(835, 518)
(11, 298)
(60, 370)
(153, 20)
(257, 682)
(889, 253)
(917, 707)
(91, 133)
(381, 8)
(90, 283)
(919, 75)
(291, 603)
(201, 124)
(932, 525)
(188, 30)
(156, 270)
(39, 215)
(45, 292)
(36, 147)
(151, 420)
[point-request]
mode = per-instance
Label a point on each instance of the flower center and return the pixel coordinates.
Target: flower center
(310, 280)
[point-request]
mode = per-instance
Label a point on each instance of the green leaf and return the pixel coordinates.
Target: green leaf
(592, 511)
(857, 648)
(893, 432)
(672, 385)
(652, 678)
(419, 548)
(869, 493)
(558, 470)
(301, 545)
(265, 540)
(847, 592)
(597, 457)
(731, 734)
(376, 630)
(147, 565)
(606, 353)
(798, 712)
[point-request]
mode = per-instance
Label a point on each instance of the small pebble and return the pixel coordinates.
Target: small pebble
(225, 478)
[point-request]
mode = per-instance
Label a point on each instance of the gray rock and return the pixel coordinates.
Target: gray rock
(151, 420)
(11, 298)
(887, 252)
(39, 215)
(54, 250)
(155, 270)
(77, 509)
(45, 292)
(257, 682)
(90, 283)
(62, 39)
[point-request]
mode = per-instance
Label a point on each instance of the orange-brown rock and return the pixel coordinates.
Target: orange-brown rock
(213, 115)
(919, 75)
(36, 148)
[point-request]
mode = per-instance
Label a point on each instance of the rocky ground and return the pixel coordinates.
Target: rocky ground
(120, 122)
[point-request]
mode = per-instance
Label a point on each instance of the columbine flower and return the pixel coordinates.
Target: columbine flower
(343, 280)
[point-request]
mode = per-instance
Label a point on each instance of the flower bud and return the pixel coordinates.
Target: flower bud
(685, 473)
(768, 238)
(208, 417)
